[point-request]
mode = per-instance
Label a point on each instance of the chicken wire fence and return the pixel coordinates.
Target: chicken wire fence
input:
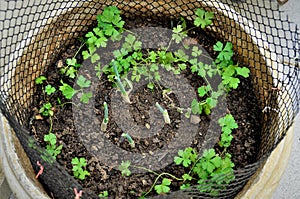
(34, 33)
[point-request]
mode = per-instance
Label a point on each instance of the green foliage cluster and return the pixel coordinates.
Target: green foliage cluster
(78, 168)
(211, 170)
(51, 147)
(146, 64)
(103, 194)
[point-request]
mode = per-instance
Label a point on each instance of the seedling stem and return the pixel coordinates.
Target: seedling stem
(164, 112)
(105, 119)
(129, 139)
(120, 85)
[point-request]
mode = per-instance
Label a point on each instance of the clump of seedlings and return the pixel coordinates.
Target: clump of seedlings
(215, 167)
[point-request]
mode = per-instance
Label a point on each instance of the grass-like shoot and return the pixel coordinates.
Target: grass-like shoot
(164, 113)
(120, 85)
(129, 139)
(105, 119)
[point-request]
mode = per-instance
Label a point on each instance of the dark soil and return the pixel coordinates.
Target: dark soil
(82, 139)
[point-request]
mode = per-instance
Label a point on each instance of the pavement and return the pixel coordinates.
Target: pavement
(289, 185)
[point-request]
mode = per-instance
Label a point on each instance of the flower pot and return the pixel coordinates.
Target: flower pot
(16, 166)
(59, 31)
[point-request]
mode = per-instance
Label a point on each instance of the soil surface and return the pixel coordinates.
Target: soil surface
(84, 139)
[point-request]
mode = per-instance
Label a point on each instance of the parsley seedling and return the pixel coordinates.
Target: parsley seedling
(124, 168)
(163, 187)
(51, 147)
(40, 79)
(46, 109)
(49, 89)
(78, 168)
(103, 194)
(203, 18)
(228, 124)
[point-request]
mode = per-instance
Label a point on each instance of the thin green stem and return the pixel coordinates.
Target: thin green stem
(105, 118)
(129, 139)
(164, 113)
(155, 181)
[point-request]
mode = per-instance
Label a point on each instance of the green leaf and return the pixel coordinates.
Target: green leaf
(71, 62)
(231, 82)
(85, 97)
(243, 71)
(227, 123)
(51, 138)
(218, 47)
(103, 194)
(196, 52)
(203, 90)
(184, 186)
(49, 89)
(101, 42)
(163, 187)
(95, 57)
(203, 18)
(83, 82)
(186, 177)
(226, 53)
(196, 108)
(85, 54)
(124, 168)
(40, 79)
(67, 90)
(186, 157)
(211, 102)
(71, 72)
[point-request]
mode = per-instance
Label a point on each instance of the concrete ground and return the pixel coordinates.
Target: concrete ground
(289, 186)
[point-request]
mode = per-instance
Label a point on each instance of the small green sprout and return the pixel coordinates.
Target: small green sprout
(46, 109)
(120, 84)
(124, 168)
(203, 18)
(78, 165)
(51, 147)
(40, 79)
(163, 187)
(49, 89)
(164, 113)
(67, 90)
(103, 194)
(105, 119)
(228, 124)
(129, 139)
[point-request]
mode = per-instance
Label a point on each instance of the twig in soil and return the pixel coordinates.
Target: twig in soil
(41, 169)
(77, 194)
(120, 85)
(129, 139)
(105, 119)
(164, 112)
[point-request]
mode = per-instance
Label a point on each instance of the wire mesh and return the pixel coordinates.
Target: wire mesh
(33, 33)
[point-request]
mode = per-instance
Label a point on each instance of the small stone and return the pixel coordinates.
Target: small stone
(60, 64)
(155, 140)
(147, 126)
(146, 143)
(195, 119)
(144, 182)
